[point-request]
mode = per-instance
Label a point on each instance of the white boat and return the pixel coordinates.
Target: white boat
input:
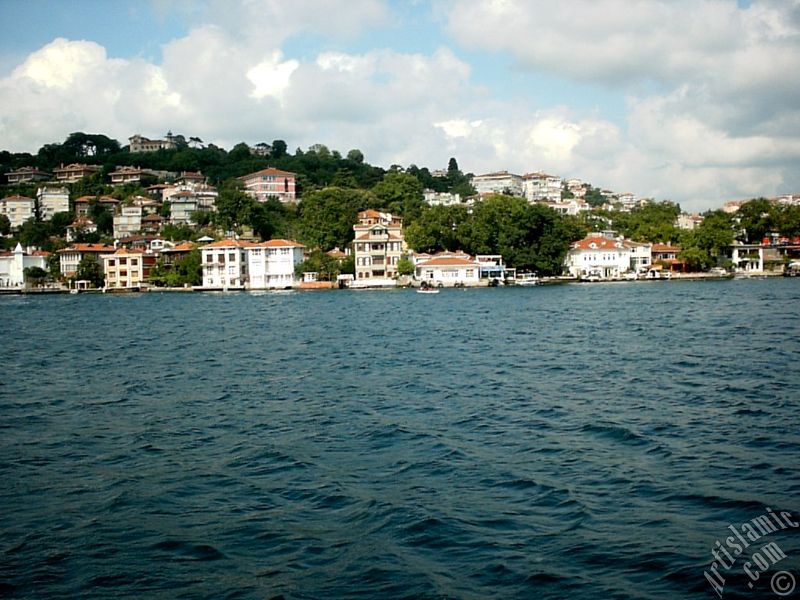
(528, 279)
(427, 291)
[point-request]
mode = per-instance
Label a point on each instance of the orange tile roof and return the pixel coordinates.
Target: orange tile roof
(230, 243)
(18, 197)
(88, 248)
(666, 248)
(281, 243)
(448, 261)
(601, 243)
(269, 171)
(183, 247)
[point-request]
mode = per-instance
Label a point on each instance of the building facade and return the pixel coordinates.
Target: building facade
(18, 209)
(500, 182)
(598, 256)
(75, 172)
(13, 265)
(138, 143)
(70, 258)
(378, 246)
(271, 183)
(128, 221)
(225, 264)
(541, 187)
(127, 269)
(449, 269)
(271, 265)
(27, 174)
(52, 199)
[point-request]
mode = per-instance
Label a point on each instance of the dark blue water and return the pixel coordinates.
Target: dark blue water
(573, 441)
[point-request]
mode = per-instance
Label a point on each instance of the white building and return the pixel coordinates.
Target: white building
(225, 264)
(128, 221)
(52, 199)
(687, 221)
(598, 256)
(641, 255)
(270, 265)
(18, 209)
(441, 198)
(573, 206)
(138, 143)
(13, 265)
(448, 269)
(185, 200)
(541, 187)
(501, 182)
(70, 258)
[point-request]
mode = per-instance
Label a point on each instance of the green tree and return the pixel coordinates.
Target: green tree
(35, 275)
(5, 225)
(400, 193)
(356, 156)
(327, 216)
(91, 270)
(756, 218)
(405, 266)
(54, 266)
(234, 206)
(278, 148)
(319, 262)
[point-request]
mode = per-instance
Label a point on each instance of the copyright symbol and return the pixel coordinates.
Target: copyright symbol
(782, 583)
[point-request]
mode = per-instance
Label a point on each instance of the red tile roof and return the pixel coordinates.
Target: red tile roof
(281, 244)
(448, 261)
(269, 171)
(231, 243)
(88, 248)
(600, 243)
(666, 249)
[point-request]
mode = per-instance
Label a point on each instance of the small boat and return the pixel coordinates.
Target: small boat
(427, 291)
(528, 279)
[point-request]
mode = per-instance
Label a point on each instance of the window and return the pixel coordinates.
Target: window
(209, 258)
(232, 257)
(134, 262)
(123, 261)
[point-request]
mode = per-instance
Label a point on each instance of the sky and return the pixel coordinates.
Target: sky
(694, 101)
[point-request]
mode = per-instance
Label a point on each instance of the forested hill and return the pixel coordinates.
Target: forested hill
(316, 167)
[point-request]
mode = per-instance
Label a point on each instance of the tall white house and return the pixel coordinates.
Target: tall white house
(52, 199)
(224, 265)
(270, 265)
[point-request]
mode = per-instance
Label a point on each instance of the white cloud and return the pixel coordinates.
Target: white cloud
(712, 108)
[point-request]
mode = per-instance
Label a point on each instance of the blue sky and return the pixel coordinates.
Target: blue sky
(686, 100)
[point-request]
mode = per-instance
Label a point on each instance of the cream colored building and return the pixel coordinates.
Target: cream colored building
(378, 246)
(18, 209)
(127, 269)
(52, 199)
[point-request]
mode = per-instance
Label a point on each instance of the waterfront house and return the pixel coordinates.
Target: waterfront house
(271, 265)
(18, 209)
(598, 256)
(14, 263)
(641, 255)
(52, 199)
(225, 264)
(378, 246)
(667, 256)
(126, 268)
(75, 172)
(70, 258)
(26, 174)
(270, 183)
(169, 256)
(449, 269)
